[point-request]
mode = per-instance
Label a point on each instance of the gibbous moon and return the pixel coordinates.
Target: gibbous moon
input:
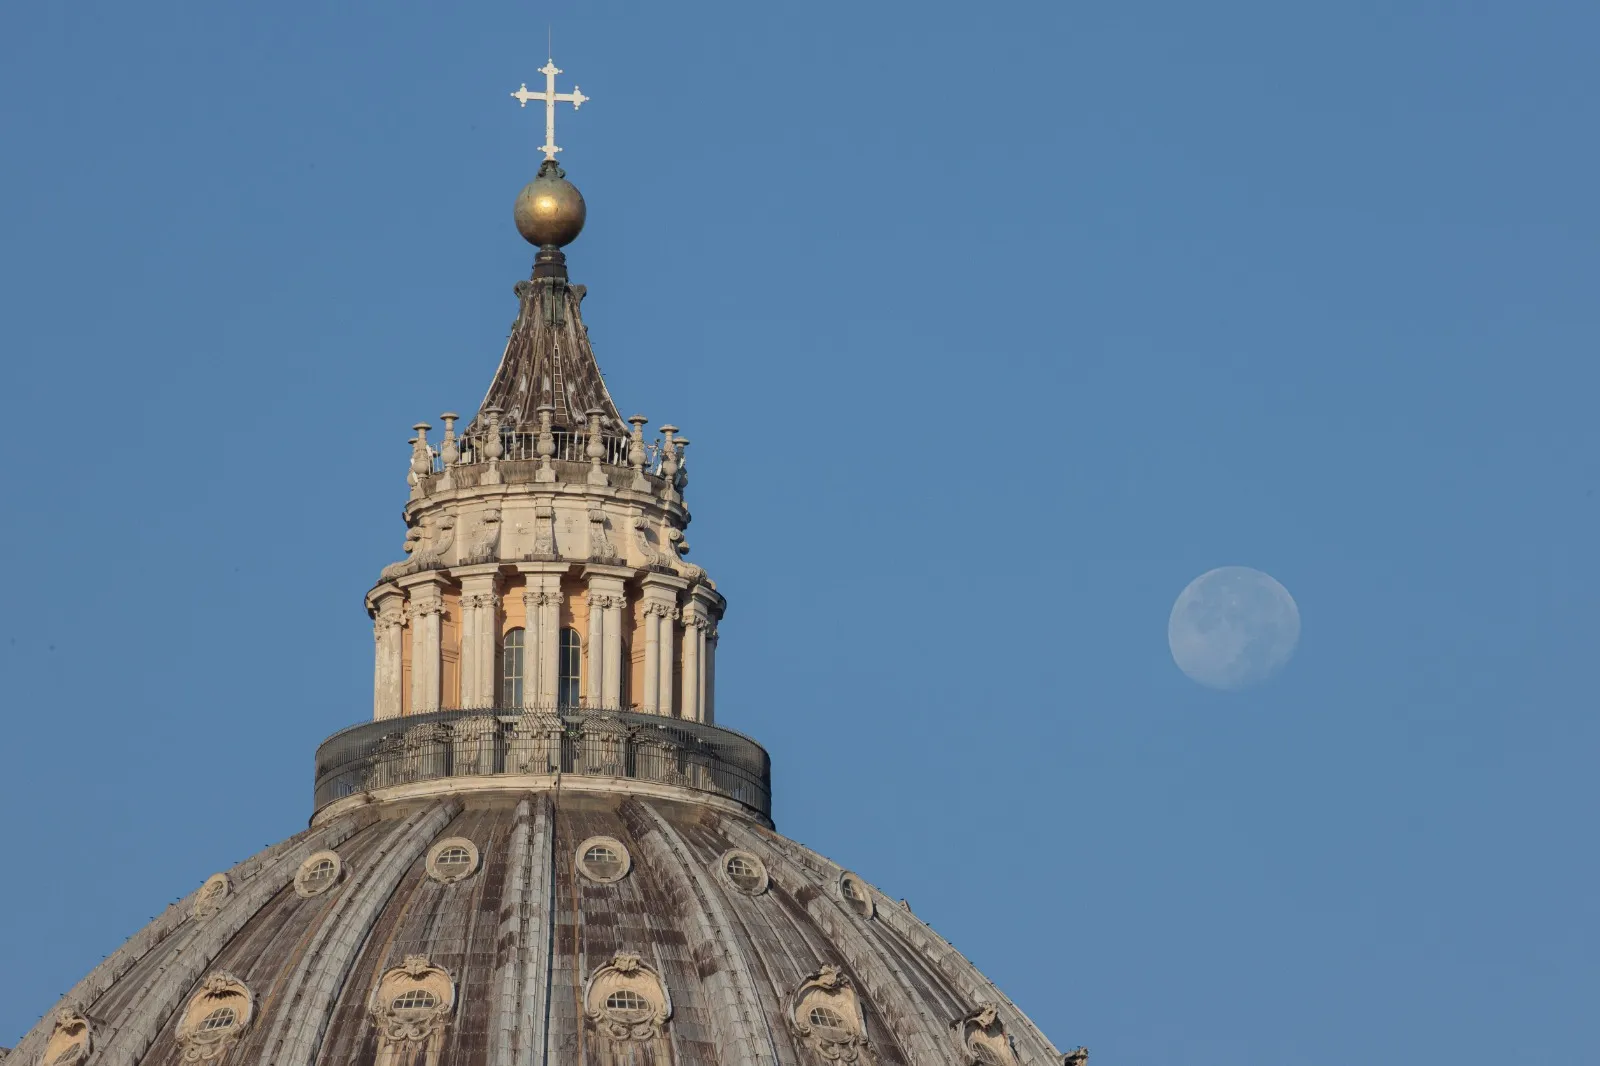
(1233, 627)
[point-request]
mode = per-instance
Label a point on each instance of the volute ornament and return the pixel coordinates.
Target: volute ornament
(70, 1040)
(625, 999)
(215, 1018)
(825, 1014)
(982, 1038)
(410, 1008)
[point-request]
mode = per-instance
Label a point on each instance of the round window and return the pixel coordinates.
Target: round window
(628, 1006)
(317, 874)
(856, 895)
(452, 860)
(830, 1025)
(416, 999)
(603, 859)
(221, 1018)
(744, 872)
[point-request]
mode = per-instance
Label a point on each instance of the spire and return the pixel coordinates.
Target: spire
(548, 361)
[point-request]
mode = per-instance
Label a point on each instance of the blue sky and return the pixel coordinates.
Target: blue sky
(993, 326)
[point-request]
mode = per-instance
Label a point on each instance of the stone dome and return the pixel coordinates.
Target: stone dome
(498, 927)
(542, 849)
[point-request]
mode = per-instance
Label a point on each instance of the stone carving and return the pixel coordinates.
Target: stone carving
(485, 544)
(641, 526)
(427, 550)
(473, 745)
(1078, 1057)
(215, 1018)
(825, 1013)
(625, 999)
(410, 1008)
(600, 547)
(982, 1038)
(544, 528)
(70, 1041)
(212, 895)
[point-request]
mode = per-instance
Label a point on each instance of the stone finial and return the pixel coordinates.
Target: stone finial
(546, 445)
(421, 459)
(449, 453)
(636, 453)
(596, 447)
(669, 460)
(681, 481)
(493, 447)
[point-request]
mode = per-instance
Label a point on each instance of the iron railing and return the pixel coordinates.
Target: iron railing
(490, 740)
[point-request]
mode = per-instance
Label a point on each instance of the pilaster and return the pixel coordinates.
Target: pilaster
(660, 593)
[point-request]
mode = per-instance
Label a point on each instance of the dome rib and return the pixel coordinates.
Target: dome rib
(182, 967)
(323, 969)
(884, 985)
(733, 990)
(523, 941)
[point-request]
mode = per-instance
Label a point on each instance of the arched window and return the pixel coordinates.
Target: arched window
(511, 658)
(569, 669)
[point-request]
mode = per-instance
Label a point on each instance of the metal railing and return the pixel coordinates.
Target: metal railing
(570, 447)
(489, 740)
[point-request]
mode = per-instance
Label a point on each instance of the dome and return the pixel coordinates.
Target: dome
(499, 926)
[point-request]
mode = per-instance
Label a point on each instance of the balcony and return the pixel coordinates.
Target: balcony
(488, 741)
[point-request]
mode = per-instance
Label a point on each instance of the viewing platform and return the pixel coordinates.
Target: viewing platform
(489, 742)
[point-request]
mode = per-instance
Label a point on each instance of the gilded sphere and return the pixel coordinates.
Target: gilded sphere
(550, 209)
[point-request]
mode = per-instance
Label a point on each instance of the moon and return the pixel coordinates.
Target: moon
(1233, 627)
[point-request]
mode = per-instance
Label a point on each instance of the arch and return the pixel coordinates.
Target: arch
(569, 669)
(513, 656)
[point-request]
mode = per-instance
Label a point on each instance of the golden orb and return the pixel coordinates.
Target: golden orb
(550, 209)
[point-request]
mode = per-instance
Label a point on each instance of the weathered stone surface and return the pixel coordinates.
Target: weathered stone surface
(523, 938)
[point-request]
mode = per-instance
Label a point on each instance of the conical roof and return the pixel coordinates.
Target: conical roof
(548, 361)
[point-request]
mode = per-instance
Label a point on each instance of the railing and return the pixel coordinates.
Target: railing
(486, 741)
(522, 445)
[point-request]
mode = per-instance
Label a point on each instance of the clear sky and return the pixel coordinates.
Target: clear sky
(993, 325)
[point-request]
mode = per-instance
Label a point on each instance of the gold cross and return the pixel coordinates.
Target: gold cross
(550, 98)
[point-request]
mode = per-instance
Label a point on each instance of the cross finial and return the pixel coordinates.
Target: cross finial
(550, 98)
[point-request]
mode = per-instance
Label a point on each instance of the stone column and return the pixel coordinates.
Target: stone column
(708, 672)
(704, 608)
(426, 598)
(480, 634)
(694, 623)
(388, 634)
(606, 600)
(541, 605)
(660, 593)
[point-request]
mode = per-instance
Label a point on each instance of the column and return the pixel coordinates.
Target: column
(613, 680)
(480, 634)
(594, 679)
(693, 625)
(388, 631)
(705, 608)
(660, 593)
(649, 699)
(606, 599)
(541, 604)
(427, 605)
(708, 672)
